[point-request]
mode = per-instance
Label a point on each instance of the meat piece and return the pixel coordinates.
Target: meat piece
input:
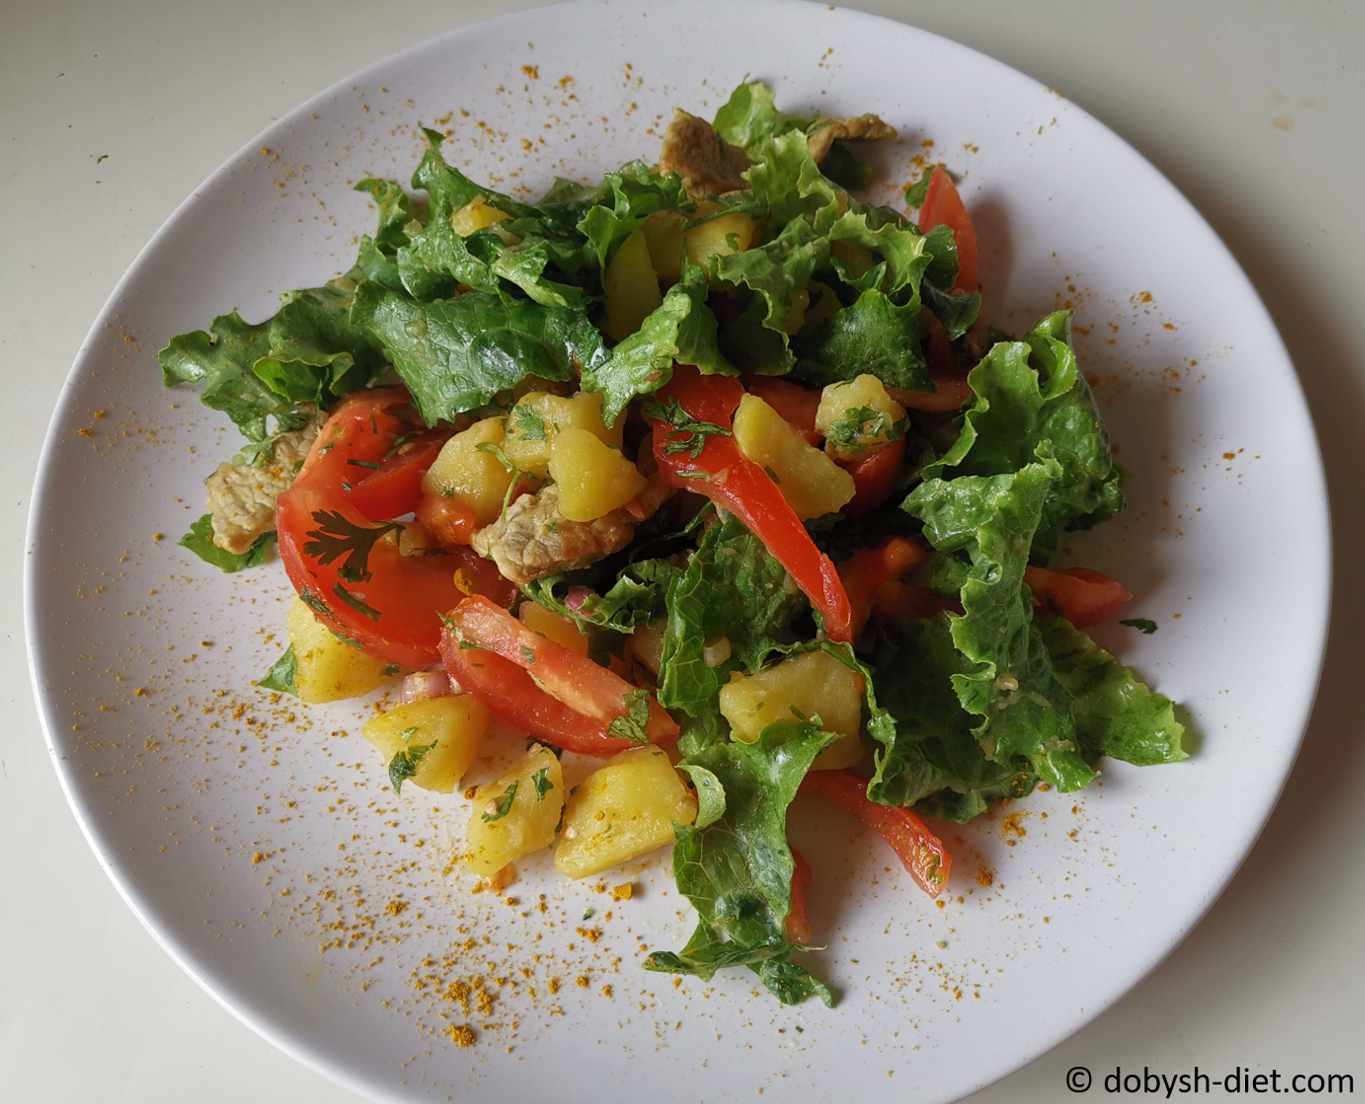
(707, 163)
(531, 540)
(241, 497)
(861, 128)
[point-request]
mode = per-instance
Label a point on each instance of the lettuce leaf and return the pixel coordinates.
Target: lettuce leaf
(732, 588)
(199, 540)
(1023, 710)
(1033, 404)
(681, 328)
(1116, 714)
(750, 117)
(786, 183)
(456, 354)
(627, 197)
(871, 335)
(737, 870)
(635, 598)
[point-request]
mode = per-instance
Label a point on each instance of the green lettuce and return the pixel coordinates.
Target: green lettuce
(737, 870)
(871, 335)
(627, 197)
(199, 540)
(635, 598)
(750, 117)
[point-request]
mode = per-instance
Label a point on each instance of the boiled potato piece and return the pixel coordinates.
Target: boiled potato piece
(593, 478)
(719, 237)
(810, 481)
(553, 626)
(327, 668)
(517, 814)
(857, 416)
(621, 810)
(464, 470)
(631, 286)
(664, 236)
(451, 729)
(476, 215)
(538, 416)
(805, 686)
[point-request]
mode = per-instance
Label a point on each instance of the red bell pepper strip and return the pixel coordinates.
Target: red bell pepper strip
(797, 925)
(864, 573)
(709, 462)
(1082, 596)
(558, 695)
(874, 476)
(349, 571)
(920, 851)
(943, 206)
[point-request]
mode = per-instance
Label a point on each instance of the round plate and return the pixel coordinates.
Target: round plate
(260, 843)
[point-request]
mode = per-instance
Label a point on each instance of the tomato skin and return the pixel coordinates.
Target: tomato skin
(797, 405)
(797, 926)
(570, 702)
(747, 491)
(943, 206)
(920, 851)
(393, 612)
(874, 476)
(1084, 597)
(451, 521)
(394, 488)
(865, 573)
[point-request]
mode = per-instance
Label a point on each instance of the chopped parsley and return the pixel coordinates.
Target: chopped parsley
(337, 536)
(404, 764)
(502, 806)
(633, 724)
(282, 674)
(315, 602)
(528, 655)
(356, 602)
(528, 423)
(541, 781)
(860, 427)
(689, 434)
(1144, 625)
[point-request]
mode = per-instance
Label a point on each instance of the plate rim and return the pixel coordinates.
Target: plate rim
(277, 1032)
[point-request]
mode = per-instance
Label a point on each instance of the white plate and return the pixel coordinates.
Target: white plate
(245, 838)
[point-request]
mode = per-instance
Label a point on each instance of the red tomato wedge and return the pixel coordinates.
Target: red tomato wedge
(594, 695)
(942, 206)
(394, 487)
(920, 851)
(797, 926)
(874, 476)
(796, 404)
(450, 521)
(712, 465)
(1082, 596)
(349, 571)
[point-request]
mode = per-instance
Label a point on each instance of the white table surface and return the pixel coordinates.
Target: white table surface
(1253, 109)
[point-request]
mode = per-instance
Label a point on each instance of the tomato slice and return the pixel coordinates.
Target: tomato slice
(797, 927)
(943, 206)
(394, 487)
(920, 851)
(797, 404)
(351, 572)
(1082, 596)
(450, 520)
(874, 476)
(594, 694)
(712, 465)
(866, 572)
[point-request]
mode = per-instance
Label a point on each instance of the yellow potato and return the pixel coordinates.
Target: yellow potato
(451, 729)
(809, 480)
(538, 416)
(466, 471)
(857, 416)
(327, 668)
(553, 626)
(631, 286)
(803, 687)
(719, 237)
(664, 235)
(476, 215)
(621, 810)
(517, 814)
(593, 478)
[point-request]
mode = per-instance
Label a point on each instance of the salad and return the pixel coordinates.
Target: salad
(709, 483)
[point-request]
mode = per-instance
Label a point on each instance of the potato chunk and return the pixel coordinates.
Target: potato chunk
(664, 236)
(327, 668)
(553, 626)
(631, 286)
(538, 417)
(622, 810)
(858, 416)
(517, 814)
(805, 686)
(464, 470)
(450, 729)
(810, 481)
(476, 215)
(593, 478)
(719, 237)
